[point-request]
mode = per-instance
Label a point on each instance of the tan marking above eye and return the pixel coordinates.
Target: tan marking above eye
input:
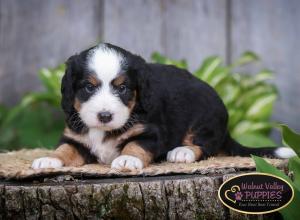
(119, 80)
(94, 80)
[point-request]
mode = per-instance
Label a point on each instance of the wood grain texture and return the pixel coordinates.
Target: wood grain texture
(169, 197)
(134, 25)
(177, 28)
(36, 34)
(194, 30)
(271, 29)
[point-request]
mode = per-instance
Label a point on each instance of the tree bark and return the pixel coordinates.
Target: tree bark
(165, 197)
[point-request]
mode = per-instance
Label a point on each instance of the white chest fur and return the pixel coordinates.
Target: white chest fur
(105, 151)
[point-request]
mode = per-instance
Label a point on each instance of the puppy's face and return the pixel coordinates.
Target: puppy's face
(104, 94)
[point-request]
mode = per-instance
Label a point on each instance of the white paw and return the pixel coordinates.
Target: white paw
(46, 162)
(127, 162)
(181, 155)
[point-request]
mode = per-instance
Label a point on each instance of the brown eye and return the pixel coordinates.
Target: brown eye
(89, 88)
(122, 89)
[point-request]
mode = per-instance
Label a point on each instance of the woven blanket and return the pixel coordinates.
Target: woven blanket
(16, 165)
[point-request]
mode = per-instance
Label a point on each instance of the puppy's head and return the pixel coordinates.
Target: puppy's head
(99, 87)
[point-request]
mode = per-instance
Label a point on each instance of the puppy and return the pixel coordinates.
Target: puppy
(125, 112)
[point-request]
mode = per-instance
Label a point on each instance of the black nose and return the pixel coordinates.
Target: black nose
(104, 117)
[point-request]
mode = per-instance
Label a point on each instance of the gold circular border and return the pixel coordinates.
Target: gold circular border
(262, 174)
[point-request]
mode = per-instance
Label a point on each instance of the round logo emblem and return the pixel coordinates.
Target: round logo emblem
(256, 193)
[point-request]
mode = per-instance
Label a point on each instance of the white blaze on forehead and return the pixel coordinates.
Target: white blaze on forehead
(105, 63)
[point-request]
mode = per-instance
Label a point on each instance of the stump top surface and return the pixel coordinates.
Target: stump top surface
(16, 165)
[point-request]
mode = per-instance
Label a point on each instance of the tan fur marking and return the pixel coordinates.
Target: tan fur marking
(119, 80)
(131, 132)
(188, 142)
(134, 149)
(132, 102)
(77, 105)
(93, 80)
(69, 155)
(77, 137)
(197, 150)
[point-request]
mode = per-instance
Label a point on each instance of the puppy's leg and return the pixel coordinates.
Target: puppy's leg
(188, 153)
(185, 154)
(64, 155)
(140, 152)
(133, 156)
(199, 144)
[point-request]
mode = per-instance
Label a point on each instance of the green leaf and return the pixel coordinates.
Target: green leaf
(294, 165)
(158, 58)
(45, 76)
(264, 75)
(51, 79)
(219, 77)
(12, 115)
(262, 107)
(291, 138)
(249, 96)
(235, 116)
(246, 58)
(229, 92)
(246, 126)
(8, 137)
(41, 97)
(292, 210)
(255, 140)
(208, 67)
(3, 113)
(38, 127)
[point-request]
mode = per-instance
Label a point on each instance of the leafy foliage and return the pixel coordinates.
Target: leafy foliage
(36, 121)
(290, 139)
(249, 98)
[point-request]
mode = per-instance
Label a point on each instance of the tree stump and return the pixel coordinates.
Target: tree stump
(184, 192)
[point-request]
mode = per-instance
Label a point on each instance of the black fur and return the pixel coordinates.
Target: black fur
(69, 86)
(170, 102)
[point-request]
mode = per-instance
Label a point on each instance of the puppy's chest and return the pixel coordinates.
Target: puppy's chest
(105, 150)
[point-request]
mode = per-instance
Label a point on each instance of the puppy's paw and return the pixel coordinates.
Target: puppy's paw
(127, 162)
(47, 162)
(181, 155)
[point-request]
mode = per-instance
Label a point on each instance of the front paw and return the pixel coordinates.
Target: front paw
(46, 162)
(181, 155)
(127, 162)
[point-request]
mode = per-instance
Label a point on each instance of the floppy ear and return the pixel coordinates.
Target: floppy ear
(142, 74)
(67, 86)
(68, 94)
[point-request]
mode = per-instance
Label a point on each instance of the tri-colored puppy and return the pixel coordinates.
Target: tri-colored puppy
(125, 112)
